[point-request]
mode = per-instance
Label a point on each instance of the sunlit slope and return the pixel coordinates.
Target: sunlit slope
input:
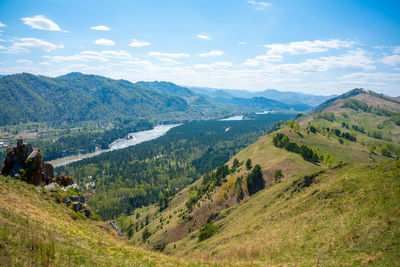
(348, 215)
(341, 208)
(37, 231)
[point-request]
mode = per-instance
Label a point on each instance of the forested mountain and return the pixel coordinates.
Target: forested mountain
(79, 97)
(326, 183)
(259, 103)
(176, 90)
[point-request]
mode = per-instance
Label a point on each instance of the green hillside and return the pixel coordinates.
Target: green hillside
(37, 231)
(79, 97)
(330, 194)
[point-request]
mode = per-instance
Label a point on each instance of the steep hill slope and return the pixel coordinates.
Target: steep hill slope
(78, 97)
(329, 194)
(37, 231)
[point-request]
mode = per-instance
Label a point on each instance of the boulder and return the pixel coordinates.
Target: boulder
(86, 212)
(67, 201)
(48, 170)
(64, 180)
(77, 206)
(73, 186)
(51, 186)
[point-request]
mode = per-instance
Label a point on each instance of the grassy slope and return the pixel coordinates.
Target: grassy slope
(36, 231)
(352, 216)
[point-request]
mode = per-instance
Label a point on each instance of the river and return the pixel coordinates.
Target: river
(233, 118)
(131, 140)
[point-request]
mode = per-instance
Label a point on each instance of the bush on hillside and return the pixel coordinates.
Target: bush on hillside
(207, 230)
(254, 180)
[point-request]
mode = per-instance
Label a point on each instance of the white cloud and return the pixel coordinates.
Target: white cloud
(137, 61)
(169, 58)
(391, 60)
(27, 44)
(241, 43)
(40, 22)
(396, 49)
(260, 5)
(104, 42)
(216, 65)
(356, 59)
(367, 77)
(102, 56)
(136, 43)
(306, 47)
(2, 25)
(45, 63)
(25, 61)
(204, 37)
(212, 53)
(2, 47)
(100, 28)
(169, 55)
(263, 59)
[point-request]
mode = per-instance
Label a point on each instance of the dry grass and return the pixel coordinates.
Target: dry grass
(36, 231)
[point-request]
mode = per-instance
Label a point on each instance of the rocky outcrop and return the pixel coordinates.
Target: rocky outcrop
(26, 163)
(15, 159)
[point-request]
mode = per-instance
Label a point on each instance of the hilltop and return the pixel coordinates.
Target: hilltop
(328, 194)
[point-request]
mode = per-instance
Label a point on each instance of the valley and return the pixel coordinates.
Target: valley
(269, 187)
(238, 133)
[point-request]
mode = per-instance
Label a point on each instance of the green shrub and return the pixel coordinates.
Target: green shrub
(278, 176)
(207, 230)
(254, 180)
(248, 164)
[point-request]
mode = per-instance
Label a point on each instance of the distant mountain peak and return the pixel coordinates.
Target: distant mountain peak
(72, 75)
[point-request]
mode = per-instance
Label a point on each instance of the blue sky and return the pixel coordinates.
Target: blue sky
(319, 47)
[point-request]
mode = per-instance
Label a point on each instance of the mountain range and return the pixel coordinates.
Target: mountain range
(291, 98)
(80, 97)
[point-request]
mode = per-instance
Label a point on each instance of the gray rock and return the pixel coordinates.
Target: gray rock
(77, 206)
(72, 186)
(67, 201)
(86, 212)
(51, 187)
(74, 198)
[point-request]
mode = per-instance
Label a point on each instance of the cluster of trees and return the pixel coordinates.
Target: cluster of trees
(132, 177)
(210, 181)
(359, 105)
(254, 180)
(282, 141)
(327, 115)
